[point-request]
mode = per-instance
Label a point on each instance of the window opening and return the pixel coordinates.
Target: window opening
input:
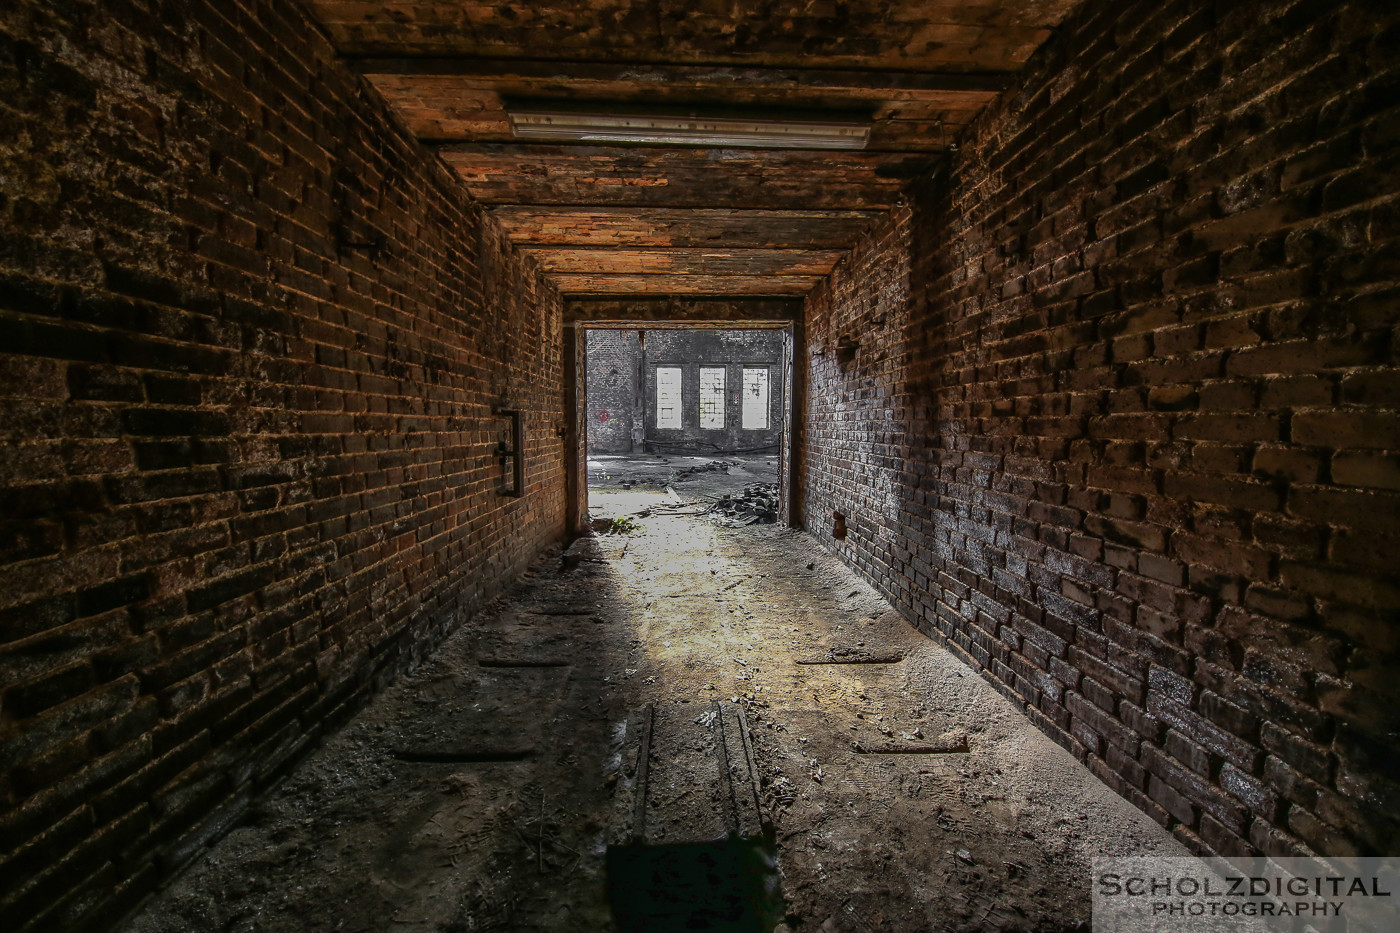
(711, 398)
(755, 407)
(668, 397)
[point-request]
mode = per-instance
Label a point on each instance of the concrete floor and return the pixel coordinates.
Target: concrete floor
(478, 793)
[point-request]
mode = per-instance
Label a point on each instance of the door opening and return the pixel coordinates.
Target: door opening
(683, 414)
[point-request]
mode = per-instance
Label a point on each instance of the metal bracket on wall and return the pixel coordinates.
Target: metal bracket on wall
(513, 452)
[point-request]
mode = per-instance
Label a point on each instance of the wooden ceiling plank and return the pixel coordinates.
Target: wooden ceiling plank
(525, 73)
(665, 227)
(441, 113)
(692, 311)
(498, 173)
(708, 261)
(633, 285)
(908, 34)
(874, 12)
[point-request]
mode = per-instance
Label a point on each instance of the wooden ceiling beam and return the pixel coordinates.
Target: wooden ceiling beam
(697, 76)
(683, 284)
(709, 261)
(642, 227)
(582, 175)
(691, 311)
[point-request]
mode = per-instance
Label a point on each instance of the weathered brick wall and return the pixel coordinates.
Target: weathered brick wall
(251, 341)
(1146, 389)
(612, 390)
(732, 351)
(854, 445)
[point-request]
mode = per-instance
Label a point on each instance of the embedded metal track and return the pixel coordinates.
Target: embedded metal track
(696, 758)
(688, 848)
(737, 774)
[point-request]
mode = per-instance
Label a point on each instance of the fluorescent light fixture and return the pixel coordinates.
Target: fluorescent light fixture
(646, 129)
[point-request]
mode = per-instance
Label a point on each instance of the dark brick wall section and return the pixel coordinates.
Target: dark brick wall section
(251, 340)
(1142, 367)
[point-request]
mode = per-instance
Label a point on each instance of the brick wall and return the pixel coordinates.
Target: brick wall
(612, 390)
(854, 440)
(1136, 347)
(251, 340)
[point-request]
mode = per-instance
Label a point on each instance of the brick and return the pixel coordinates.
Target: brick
(1358, 509)
(113, 594)
(1363, 468)
(1291, 539)
(1229, 716)
(1276, 842)
(1229, 427)
(1233, 492)
(1144, 535)
(1204, 733)
(1347, 429)
(1171, 800)
(1301, 646)
(1188, 753)
(1252, 792)
(1308, 758)
(1304, 356)
(1378, 388)
(1319, 835)
(1193, 789)
(1162, 568)
(1222, 841)
(29, 699)
(1288, 463)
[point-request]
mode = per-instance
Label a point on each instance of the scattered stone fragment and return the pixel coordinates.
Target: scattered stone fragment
(758, 504)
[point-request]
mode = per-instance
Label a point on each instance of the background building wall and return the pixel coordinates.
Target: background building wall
(251, 342)
(614, 362)
(732, 350)
(1125, 382)
(690, 350)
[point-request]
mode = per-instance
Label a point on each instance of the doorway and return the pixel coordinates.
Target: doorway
(685, 417)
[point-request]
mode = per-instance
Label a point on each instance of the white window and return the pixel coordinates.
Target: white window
(711, 398)
(755, 399)
(668, 397)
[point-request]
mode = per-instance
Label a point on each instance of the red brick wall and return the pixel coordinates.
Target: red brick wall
(250, 344)
(1122, 422)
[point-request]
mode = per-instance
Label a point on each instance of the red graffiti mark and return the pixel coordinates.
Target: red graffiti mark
(603, 416)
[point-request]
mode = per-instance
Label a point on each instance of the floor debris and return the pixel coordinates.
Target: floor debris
(481, 796)
(757, 504)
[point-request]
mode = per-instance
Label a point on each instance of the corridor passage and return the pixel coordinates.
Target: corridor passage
(899, 791)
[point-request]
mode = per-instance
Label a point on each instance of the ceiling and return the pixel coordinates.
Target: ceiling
(646, 220)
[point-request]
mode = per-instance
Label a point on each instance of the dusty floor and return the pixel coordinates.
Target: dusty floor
(477, 794)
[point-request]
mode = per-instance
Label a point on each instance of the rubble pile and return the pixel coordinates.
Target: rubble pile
(714, 466)
(757, 505)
